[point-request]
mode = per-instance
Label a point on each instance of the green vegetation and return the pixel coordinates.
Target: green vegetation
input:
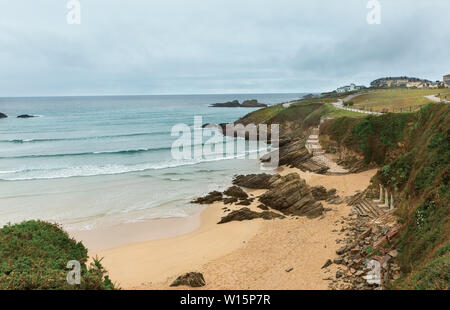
(34, 255)
(331, 111)
(414, 152)
(299, 115)
(397, 98)
(293, 119)
(349, 104)
(372, 136)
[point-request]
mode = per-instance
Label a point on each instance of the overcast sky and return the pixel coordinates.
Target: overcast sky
(216, 46)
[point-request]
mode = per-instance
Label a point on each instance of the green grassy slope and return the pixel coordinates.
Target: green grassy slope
(414, 152)
(395, 98)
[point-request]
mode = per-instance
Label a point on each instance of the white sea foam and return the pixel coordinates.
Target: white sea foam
(89, 171)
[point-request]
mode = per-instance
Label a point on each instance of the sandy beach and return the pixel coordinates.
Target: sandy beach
(257, 254)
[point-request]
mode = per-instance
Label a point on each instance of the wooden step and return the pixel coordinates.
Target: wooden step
(373, 209)
(355, 199)
(366, 207)
(366, 210)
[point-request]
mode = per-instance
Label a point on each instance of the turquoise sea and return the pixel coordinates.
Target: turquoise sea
(89, 161)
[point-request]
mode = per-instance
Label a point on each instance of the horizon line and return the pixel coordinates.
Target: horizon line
(167, 94)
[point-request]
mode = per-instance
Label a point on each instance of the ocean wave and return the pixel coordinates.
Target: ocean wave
(115, 152)
(89, 153)
(89, 171)
(20, 141)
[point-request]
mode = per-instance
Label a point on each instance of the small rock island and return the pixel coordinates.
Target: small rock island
(236, 104)
(3, 115)
(25, 116)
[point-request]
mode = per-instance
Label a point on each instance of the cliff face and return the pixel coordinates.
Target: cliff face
(413, 151)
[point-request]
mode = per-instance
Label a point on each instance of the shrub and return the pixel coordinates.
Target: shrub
(34, 255)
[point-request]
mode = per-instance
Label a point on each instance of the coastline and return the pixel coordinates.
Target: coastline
(131, 233)
(257, 254)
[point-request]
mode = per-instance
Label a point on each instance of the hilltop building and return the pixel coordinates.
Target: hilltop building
(446, 80)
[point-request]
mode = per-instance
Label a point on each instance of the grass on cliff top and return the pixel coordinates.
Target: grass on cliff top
(395, 98)
(34, 255)
(331, 111)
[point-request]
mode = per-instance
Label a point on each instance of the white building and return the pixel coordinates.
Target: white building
(351, 87)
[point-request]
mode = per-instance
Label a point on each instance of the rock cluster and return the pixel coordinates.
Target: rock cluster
(236, 192)
(288, 194)
(255, 181)
(3, 115)
(361, 250)
(233, 194)
(291, 195)
(192, 279)
(247, 214)
(209, 199)
(321, 193)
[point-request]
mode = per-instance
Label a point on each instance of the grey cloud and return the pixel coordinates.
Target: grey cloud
(215, 46)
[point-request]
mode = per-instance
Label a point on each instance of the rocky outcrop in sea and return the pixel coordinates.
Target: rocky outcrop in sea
(236, 104)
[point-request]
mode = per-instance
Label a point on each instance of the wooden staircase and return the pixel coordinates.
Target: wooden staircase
(366, 207)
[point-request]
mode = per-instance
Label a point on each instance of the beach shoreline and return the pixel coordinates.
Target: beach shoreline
(136, 232)
(257, 254)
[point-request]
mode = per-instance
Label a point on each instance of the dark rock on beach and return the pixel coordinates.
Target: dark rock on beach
(209, 199)
(263, 207)
(291, 195)
(327, 263)
(245, 202)
(247, 214)
(25, 116)
(236, 192)
(192, 279)
(321, 193)
(3, 115)
(255, 181)
(230, 200)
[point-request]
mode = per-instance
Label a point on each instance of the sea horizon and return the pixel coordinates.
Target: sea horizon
(164, 94)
